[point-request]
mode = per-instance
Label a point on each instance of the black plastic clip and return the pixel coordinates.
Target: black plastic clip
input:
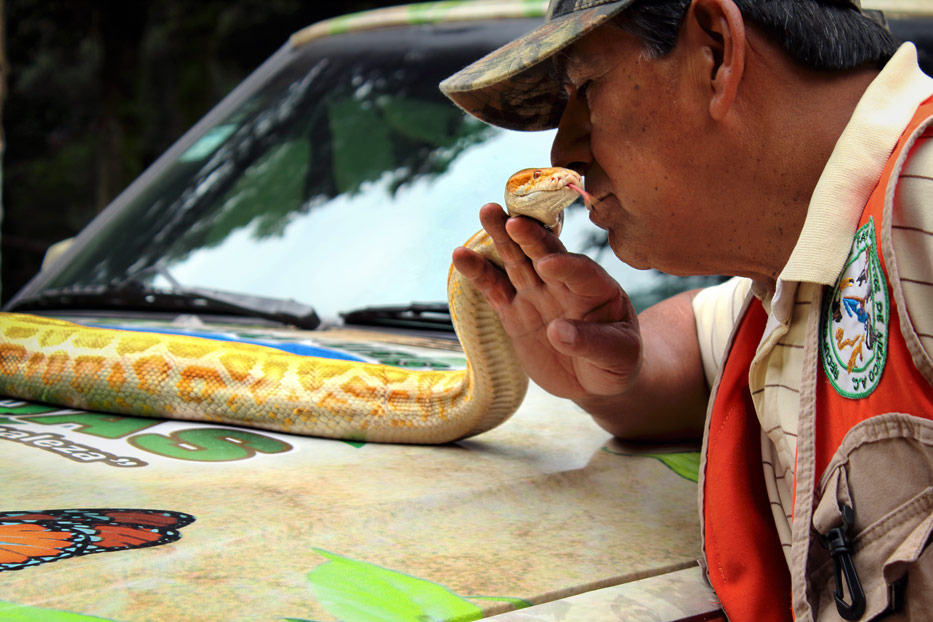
(837, 542)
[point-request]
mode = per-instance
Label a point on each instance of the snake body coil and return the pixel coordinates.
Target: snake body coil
(192, 378)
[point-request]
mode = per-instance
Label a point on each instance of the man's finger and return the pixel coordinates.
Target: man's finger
(517, 265)
(579, 274)
(493, 219)
(533, 238)
(610, 351)
(485, 277)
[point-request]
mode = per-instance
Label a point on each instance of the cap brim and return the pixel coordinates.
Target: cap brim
(515, 86)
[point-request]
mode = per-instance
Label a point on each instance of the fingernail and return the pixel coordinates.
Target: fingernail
(566, 331)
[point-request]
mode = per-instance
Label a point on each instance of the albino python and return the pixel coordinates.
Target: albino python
(193, 378)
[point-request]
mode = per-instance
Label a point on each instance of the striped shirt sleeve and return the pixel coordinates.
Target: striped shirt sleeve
(716, 310)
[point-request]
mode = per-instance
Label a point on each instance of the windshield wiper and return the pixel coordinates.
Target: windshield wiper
(134, 294)
(416, 315)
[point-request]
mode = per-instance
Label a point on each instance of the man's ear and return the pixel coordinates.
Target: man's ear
(716, 30)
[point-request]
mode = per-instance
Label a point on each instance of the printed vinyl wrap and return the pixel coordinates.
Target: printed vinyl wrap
(202, 522)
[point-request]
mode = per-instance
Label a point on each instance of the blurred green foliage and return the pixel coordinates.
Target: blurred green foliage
(100, 88)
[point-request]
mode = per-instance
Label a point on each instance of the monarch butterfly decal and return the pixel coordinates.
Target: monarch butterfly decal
(33, 538)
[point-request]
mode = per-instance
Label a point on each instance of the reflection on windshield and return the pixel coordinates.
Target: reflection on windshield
(344, 181)
(380, 246)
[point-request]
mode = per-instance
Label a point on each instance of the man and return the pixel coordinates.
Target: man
(763, 140)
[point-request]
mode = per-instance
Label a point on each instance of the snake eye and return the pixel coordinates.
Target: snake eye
(536, 174)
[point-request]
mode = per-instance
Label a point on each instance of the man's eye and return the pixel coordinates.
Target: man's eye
(582, 89)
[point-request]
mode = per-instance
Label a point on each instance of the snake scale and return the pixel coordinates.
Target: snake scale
(193, 378)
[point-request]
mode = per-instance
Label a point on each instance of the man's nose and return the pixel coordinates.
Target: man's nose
(571, 147)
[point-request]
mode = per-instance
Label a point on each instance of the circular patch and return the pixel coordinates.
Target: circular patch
(854, 323)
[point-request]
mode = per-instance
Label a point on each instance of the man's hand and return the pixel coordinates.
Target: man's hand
(571, 324)
(577, 334)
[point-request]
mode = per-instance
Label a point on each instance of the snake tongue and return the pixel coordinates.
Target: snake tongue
(588, 198)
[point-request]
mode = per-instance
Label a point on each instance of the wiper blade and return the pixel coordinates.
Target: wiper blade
(132, 294)
(416, 315)
(284, 310)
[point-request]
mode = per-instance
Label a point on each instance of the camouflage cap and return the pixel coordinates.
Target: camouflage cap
(513, 87)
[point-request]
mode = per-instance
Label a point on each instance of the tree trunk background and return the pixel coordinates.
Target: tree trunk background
(3, 72)
(100, 88)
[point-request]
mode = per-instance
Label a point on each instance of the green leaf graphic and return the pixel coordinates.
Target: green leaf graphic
(356, 591)
(10, 612)
(686, 464)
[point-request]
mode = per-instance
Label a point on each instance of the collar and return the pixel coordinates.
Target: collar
(854, 169)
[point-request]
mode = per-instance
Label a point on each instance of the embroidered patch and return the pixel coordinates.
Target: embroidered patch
(854, 324)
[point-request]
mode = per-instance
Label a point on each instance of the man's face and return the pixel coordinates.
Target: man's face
(637, 128)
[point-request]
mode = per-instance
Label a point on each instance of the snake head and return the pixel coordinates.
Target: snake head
(542, 194)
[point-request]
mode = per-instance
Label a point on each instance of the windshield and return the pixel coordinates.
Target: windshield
(339, 178)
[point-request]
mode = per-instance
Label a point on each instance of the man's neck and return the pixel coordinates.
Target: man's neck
(802, 121)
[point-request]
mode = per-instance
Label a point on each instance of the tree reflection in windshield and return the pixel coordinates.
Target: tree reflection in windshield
(337, 176)
(330, 121)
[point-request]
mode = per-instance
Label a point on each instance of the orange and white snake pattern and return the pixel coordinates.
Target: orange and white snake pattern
(192, 378)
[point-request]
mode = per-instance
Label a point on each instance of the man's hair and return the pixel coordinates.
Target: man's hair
(818, 34)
